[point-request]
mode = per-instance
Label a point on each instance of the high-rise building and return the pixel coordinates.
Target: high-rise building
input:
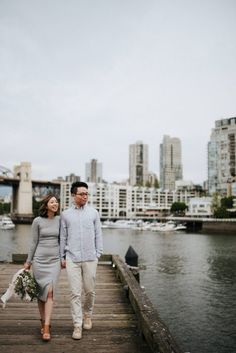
(222, 156)
(138, 164)
(93, 172)
(170, 162)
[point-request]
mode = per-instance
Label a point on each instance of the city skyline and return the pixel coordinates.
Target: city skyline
(83, 80)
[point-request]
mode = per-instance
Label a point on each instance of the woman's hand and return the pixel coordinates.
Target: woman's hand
(27, 265)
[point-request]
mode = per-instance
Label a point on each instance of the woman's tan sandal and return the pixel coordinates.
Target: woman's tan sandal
(42, 326)
(46, 333)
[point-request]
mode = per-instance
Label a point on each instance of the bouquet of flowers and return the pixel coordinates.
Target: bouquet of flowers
(25, 286)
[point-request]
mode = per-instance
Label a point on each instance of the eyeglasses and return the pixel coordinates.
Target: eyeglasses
(82, 194)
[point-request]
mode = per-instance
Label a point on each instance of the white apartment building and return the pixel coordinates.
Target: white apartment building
(222, 156)
(93, 172)
(200, 207)
(170, 162)
(126, 201)
(138, 164)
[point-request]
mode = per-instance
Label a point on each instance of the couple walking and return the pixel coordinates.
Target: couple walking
(80, 246)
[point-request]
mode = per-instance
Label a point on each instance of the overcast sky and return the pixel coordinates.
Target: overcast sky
(83, 79)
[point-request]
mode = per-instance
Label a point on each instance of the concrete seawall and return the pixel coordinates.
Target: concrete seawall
(219, 227)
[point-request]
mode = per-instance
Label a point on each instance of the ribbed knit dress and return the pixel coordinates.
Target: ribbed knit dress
(44, 253)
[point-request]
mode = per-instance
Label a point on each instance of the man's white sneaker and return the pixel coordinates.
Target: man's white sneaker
(77, 333)
(87, 324)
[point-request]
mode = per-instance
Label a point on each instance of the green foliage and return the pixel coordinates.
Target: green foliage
(36, 205)
(227, 202)
(25, 284)
(215, 204)
(178, 208)
(5, 208)
(221, 212)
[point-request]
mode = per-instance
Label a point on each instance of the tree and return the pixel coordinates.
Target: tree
(221, 212)
(227, 202)
(215, 204)
(178, 208)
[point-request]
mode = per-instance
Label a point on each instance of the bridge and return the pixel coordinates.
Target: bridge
(24, 189)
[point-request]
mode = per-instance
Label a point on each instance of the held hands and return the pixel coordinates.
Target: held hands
(63, 263)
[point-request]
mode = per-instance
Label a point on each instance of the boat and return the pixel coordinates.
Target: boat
(120, 224)
(180, 227)
(6, 223)
(167, 227)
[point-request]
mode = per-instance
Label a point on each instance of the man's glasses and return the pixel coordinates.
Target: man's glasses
(82, 194)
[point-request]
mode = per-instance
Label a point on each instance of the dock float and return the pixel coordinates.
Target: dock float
(124, 319)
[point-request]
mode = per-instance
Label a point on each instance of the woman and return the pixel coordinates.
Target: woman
(45, 259)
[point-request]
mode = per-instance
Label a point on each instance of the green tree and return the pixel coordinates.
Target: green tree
(215, 204)
(5, 208)
(221, 212)
(227, 202)
(178, 208)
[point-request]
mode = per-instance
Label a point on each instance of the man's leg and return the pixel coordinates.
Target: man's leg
(74, 279)
(89, 281)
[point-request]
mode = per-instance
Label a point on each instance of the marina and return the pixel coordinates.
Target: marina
(139, 224)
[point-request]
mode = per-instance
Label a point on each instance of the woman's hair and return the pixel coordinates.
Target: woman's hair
(43, 210)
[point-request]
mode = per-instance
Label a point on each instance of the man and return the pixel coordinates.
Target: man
(80, 247)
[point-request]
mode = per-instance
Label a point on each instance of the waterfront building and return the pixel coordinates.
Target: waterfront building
(138, 164)
(126, 201)
(222, 156)
(170, 162)
(200, 207)
(93, 172)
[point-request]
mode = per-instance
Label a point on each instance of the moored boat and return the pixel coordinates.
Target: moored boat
(6, 223)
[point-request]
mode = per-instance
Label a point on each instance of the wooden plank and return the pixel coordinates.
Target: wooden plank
(115, 325)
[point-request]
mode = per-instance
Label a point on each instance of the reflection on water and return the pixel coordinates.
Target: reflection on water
(170, 264)
(190, 278)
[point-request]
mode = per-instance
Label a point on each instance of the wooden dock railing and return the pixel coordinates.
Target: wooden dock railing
(156, 333)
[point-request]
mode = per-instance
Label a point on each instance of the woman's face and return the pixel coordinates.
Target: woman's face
(53, 205)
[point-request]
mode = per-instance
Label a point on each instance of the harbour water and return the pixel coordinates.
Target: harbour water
(189, 277)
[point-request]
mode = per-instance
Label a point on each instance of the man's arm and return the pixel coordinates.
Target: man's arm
(63, 240)
(98, 236)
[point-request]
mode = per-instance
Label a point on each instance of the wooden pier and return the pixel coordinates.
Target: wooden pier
(124, 319)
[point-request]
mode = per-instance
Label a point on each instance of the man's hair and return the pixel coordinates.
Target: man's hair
(77, 184)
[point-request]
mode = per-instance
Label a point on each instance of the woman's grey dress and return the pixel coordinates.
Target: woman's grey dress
(44, 253)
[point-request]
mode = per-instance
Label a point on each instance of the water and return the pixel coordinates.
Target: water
(190, 278)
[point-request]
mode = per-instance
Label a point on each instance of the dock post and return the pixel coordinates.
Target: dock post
(131, 259)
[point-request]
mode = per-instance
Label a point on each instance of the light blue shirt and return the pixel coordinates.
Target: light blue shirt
(81, 234)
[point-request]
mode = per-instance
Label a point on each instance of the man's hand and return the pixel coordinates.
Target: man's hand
(63, 263)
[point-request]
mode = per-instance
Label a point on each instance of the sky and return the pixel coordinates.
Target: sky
(85, 79)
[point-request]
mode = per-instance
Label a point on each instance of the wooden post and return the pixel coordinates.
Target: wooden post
(131, 259)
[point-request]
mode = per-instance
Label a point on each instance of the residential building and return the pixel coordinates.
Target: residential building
(138, 164)
(200, 207)
(126, 201)
(170, 162)
(93, 172)
(222, 156)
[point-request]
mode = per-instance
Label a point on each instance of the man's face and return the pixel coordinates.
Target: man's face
(81, 196)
